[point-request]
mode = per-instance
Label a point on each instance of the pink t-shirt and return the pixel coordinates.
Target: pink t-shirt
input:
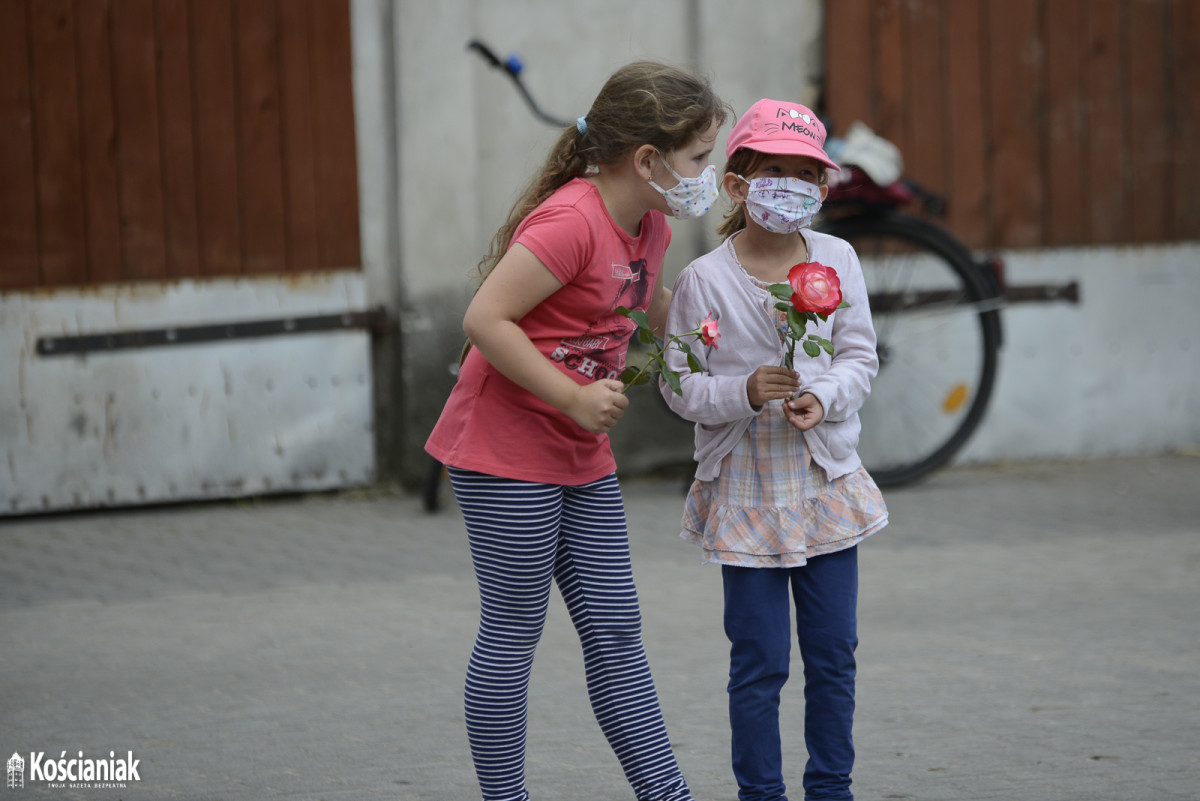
(491, 425)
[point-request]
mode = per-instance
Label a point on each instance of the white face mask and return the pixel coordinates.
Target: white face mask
(691, 197)
(782, 205)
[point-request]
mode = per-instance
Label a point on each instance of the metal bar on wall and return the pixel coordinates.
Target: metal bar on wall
(375, 320)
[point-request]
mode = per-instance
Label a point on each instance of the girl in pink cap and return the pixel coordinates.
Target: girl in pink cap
(781, 500)
(524, 433)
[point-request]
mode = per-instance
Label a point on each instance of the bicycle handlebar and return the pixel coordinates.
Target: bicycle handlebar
(486, 53)
(513, 67)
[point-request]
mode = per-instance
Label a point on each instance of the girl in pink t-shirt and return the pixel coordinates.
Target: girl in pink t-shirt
(524, 433)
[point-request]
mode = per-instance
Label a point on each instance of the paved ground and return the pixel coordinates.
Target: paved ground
(1028, 632)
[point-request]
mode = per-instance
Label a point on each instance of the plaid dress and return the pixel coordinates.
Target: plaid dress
(771, 506)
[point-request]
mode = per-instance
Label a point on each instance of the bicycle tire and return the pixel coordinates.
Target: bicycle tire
(937, 322)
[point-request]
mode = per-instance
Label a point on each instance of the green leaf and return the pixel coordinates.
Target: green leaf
(646, 336)
(694, 364)
(628, 374)
(796, 322)
(828, 346)
(843, 305)
(784, 306)
(781, 291)
(637, 315)
(672, 379)
(811, 348)
(683, 346)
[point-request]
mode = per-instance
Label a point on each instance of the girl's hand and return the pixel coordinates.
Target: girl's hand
(598, 406)
(771, 383)
(804, 412)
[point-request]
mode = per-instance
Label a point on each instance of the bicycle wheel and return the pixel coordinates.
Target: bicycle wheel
(937, 323)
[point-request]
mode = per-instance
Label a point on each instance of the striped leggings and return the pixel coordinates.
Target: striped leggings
(522, 536)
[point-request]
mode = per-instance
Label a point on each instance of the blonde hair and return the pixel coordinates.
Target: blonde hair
(641, 103)
(744, 162)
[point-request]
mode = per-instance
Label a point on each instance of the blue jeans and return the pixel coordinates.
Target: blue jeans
(757, 623)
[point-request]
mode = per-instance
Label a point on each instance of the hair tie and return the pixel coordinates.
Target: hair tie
(581, 125)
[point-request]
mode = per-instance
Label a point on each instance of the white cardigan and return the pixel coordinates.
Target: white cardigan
(716, 399)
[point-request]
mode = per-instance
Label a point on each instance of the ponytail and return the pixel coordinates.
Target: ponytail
(566, 161)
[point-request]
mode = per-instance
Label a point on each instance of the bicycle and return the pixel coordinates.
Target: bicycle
(936, 310)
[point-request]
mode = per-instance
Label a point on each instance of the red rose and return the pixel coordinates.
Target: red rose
(815, 288)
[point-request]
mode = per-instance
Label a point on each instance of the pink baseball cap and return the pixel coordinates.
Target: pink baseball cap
(788, 129)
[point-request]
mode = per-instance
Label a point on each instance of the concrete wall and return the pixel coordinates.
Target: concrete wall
(446, 144)
(1117, 374)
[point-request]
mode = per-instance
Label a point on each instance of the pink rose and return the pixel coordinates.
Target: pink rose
(815, 288)
(710, 332)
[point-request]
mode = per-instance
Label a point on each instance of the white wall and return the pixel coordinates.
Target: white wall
(1119, 373)
(202, 420)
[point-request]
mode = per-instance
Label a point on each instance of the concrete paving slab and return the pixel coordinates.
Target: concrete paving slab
(1028, 632)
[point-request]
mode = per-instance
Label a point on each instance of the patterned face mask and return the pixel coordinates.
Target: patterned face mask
(691, 197)
(782, 205)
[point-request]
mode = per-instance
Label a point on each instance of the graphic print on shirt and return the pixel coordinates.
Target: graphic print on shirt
(593, 354)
